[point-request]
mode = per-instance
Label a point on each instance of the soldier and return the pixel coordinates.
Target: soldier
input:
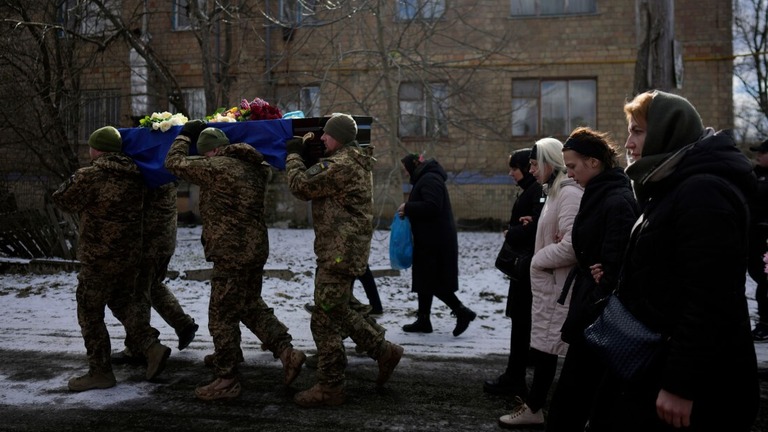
(159, 244)
(232, 180)
(108, 197)
(340, 187)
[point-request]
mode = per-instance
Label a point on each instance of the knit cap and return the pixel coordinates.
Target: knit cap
(520, 159)
(211, 138)
(106, 139)
(341, 127)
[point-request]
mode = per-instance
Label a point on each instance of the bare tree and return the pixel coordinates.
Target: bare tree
(751, 65)
(366, 54)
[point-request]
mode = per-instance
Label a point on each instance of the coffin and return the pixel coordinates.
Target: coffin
(148, 147)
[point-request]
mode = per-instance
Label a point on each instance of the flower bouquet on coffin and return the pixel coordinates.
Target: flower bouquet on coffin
(257, 109)
(162, 121)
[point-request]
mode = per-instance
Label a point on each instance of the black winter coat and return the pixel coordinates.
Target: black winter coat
(435, 243)
(600, 234)
(523, 237)
(684, 276)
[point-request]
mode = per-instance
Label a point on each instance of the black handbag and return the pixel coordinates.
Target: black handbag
(514, 263)
(625, 345)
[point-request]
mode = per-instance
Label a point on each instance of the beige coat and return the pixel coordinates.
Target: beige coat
(552, 260)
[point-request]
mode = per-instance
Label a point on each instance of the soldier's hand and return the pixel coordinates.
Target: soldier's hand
(192, 129)
(295, 145)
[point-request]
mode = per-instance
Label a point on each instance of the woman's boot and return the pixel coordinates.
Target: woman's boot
(464, 316)
(422, 325)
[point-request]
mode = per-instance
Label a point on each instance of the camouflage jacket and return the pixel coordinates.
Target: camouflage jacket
(108, 196)
(160, 216)
(232, 191)
(341, 190)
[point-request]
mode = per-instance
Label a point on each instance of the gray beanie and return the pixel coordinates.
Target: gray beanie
(211, 138)
(341, 127)
(106, 139)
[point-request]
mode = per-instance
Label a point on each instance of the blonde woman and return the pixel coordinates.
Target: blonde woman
(552, 261)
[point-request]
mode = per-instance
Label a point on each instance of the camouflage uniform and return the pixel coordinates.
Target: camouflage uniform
(341, 190)
(108, 197)
(232, 191)
(159, 244)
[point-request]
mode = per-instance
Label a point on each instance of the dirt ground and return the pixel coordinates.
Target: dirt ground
(424, 394)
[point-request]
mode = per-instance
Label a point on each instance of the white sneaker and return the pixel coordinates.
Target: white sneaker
(522, 417)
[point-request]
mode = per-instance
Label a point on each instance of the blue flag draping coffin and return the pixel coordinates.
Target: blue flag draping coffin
(148, 147)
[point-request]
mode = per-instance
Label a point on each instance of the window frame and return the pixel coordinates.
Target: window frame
(544, 8)
(85, 18)
(425, 10)
(295, 13)
(194, 98)
(99, 108)
(426, 111)
(523, 100)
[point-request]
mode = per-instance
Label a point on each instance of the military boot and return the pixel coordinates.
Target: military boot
(292, 360)
(321, 395)
(156, 355)
(388, 361)
(92, 380)
(187, 334)
(422, 325)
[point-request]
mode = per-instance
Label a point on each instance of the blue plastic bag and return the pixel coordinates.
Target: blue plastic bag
(400, 243)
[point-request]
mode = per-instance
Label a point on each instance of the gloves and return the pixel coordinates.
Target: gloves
(192, 129)
(295, 145)
(313, 152)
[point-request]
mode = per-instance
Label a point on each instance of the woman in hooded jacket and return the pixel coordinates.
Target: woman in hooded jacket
(684, 276)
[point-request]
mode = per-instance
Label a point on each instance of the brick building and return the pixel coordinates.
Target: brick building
(464, 81)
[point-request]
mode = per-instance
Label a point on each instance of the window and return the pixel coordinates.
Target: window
(195, 101)
(553, 107)
(420, 9)
(180, 14)
(100, 108)
(293, 13)
(304, 99)
(422, 110)
(86, 18)
(551, 7)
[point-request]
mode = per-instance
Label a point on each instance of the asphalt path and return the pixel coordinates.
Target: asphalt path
(424, 394)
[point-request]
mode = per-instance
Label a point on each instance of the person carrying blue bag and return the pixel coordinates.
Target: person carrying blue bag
(435, 244)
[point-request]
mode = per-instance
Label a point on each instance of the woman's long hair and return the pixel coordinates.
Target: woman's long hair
(549, 151)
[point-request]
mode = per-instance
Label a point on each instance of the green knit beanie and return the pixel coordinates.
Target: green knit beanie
(106, 139)
(211, 138)
(341, 127)
(672, 124)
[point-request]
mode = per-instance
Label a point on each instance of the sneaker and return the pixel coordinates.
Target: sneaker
(157, 355)
(760, 333)
(92, 380)
(292, 360)
(521, 417)
(388, 362)
(187, 335)
(321, 395)
(219, 389)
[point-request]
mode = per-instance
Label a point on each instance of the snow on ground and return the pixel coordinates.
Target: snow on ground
(39, 311)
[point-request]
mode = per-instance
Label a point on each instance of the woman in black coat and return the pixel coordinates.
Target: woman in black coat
(435, 269)
(521, 234)
(684, 276)
(600, 235)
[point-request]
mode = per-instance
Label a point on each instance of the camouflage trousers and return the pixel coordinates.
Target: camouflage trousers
(337, 315)
(236, 298)
(152, 293)
(97, 290)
